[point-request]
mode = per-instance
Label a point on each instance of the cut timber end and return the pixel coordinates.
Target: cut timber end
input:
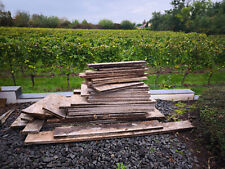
(48, 136)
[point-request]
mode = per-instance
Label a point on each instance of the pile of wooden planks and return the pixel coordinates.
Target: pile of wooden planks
(113, 99)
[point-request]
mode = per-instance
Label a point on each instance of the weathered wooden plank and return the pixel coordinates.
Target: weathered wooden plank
(19, 123)
(94, 72)
(5, 116)
(119, 99)
(155, 115)
(47, 137)
(53, 104)
(116, 74)
(26, 117)
(77, 131)
(33, 127)
(95, 80)
(120, 81)
(116, 86)
(84, 90)
(36, 109)
(117, 64)
(121, 68)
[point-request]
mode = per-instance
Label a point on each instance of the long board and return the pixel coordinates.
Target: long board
(76, 131)
(47, 137)
(117, 64)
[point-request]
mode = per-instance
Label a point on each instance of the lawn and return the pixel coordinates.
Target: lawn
(195, 81)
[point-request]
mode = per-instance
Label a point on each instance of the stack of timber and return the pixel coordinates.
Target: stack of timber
(113, 102)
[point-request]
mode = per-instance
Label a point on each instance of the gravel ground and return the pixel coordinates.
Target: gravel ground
(154, 151)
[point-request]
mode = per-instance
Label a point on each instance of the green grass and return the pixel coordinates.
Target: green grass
(195, 81)
(44, 84)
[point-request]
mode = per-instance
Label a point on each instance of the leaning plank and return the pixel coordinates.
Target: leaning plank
(33, 127)
(75, 131)
(116, 86)
(36, 108)
(19, 123)
(5, 116)
(84, 90)
(47, 137)
(53, 104)
(117, 64)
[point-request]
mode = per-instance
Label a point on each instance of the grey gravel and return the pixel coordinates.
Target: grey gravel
(163, 151)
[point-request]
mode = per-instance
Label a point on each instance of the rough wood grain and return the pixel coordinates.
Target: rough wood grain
(48, 136)
(33, 127)
(116, 86)
(77, 131)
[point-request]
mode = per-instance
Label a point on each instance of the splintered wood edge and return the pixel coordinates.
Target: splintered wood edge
(47, 137)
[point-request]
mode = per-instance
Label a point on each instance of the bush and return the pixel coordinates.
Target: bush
(106, 24)
(212, 115)
(127, 25)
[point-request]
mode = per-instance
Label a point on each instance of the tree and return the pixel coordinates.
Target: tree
(84, 22)
(126, 24)
(106, 24)
(22, 19)
(5, 19)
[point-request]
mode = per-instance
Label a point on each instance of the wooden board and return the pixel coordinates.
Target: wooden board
(26, 117)
(84, 90)
(114, 99)
(77, 131)
(116, 74)
(53, 104)
(116, 86)
(33, 127)
(95, 80)
(137, 79)
(117, 64)
(47, 137)
(93, 72)
(19, 123)
(36, 109)
(155, 115)
(5, 116)
(121, 68)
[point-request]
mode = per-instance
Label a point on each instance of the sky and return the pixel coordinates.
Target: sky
(92, 10)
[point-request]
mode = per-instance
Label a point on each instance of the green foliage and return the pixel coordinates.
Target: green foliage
(126, 24)
(22, 19)
(211, 105)
(106, 24)
(120, 166)
(199, 16)
(84, 22)
(5, 19)
(70, 50)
